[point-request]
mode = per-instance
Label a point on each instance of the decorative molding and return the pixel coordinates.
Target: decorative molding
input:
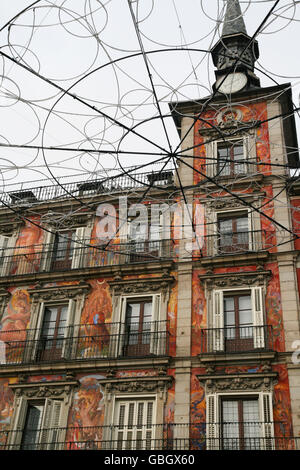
(135, 385)
(264, 381)
(230, 203)
(41, 293)
(142, 286)
(45, 389)
(239, 279)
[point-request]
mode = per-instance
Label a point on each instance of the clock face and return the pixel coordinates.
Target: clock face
(233, 82)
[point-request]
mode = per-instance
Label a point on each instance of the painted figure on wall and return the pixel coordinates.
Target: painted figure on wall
(96, 321)
(13, 326)
(86, 415)
(28, 249)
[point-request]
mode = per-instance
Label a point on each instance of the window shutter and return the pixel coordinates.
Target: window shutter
(218, 321)
(47, 254)
(157, 341)
(212, 424)
(258, 317)
(252, 236)
(121, 326)
(44, 440)
(250, 154)
(211, 149)
(134, 425)
(33, 337)
(20, 416)
(55, 436)
(117, 331)
(79, 249)
(68, 330)
(266, 411)
(5, 254)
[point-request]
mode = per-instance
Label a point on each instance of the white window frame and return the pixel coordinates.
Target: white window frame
(213, 417)
(157, 323)
(47, 439)
(216, 343)
(211, 150)
(75, 306)
(234, 212)
(156, 433)
(81, 233)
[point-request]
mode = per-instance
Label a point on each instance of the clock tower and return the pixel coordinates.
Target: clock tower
(233, 57)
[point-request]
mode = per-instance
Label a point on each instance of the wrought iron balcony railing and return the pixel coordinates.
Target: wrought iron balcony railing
(29, 193)
(144, 437)
(83, 342)
(86, 254)
(230, 243)
(246, 338)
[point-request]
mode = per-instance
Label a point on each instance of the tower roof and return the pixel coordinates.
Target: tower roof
(234, 21)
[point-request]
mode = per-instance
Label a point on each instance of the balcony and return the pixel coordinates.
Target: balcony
(233, 243)
(83, 343)
(28, 193)
(233, 340)
(35, 259)
(143, 437)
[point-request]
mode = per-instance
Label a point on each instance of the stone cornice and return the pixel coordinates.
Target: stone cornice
(244, 382)
(237, 279)
(87, 273)
(145, 285)
(59, 389)
(154, 384)
(58, 292)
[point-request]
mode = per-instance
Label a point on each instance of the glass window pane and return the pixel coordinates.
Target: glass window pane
(230, 419)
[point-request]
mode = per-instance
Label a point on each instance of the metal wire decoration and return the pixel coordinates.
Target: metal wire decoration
(87, 90)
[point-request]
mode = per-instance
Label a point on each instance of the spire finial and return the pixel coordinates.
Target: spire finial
(233, 21)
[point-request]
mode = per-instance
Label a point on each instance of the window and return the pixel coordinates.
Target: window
(53, 333)
(134, 424)
(239, 422)
(233, 233)
(139, 327)
(52, 338)
(231, 158)
(63, 250)
(38, 425)
(238, 320)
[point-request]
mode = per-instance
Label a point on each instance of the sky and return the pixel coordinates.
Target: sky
(123, 73)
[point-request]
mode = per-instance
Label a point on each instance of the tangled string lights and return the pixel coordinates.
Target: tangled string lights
(87, 90)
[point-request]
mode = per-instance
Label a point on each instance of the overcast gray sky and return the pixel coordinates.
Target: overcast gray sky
(66, 45)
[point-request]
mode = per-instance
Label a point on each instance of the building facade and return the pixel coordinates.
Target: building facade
(147, 343)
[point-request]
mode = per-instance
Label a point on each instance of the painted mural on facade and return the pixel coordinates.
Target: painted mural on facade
(85, 423)
(28, 250)
(6, 409)
(95, 329)
(251, 112)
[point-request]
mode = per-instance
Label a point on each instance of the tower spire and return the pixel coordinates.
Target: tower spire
(233, 21)
(232, 54)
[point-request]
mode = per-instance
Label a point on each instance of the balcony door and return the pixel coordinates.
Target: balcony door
(41, 425)
(53, 333)
(63, 250)
(233, 234)
(138, 327)
(241, 429)
(231, 158)
(134, 425)
(238, 323)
